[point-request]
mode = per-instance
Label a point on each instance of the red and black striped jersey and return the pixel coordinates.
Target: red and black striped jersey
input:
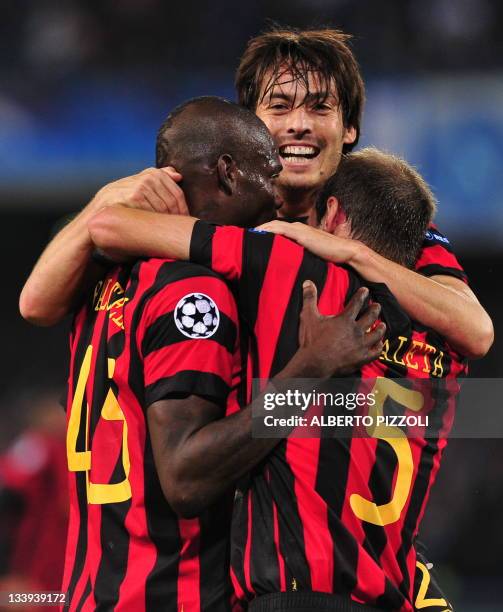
(437, 256)
(329, 514)
(150, 331)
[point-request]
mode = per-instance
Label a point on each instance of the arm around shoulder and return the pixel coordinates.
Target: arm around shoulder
(121, 231)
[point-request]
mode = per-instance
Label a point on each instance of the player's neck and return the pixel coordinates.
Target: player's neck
(296, 203)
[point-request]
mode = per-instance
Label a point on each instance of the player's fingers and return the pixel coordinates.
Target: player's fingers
(173, 173)
(175, 198)
(356, 303)
(309, 298)
(148, 192)
(266, 227)
(369, 316)
(169, 202)
(275, 227)
(170, 199)
(375, 351)
(376, 335)
(153, 200)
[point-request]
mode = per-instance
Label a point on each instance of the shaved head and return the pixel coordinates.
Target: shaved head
(200, 130)
(227, 158)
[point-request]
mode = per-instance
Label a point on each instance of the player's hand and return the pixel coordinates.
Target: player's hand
(338, 344)
(154, 189)
(321, 243)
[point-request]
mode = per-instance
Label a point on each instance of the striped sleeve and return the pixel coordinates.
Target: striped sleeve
(219, 248)
(437, 256)
(187, 338)
(242, 256)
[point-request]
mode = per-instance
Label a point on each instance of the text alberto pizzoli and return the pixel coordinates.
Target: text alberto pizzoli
(300, 400)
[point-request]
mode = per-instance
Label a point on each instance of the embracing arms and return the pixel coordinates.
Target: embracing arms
(441, 302)
(65, 270)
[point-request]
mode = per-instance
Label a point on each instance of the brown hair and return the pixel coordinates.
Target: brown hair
(386, 201)
(324, 53)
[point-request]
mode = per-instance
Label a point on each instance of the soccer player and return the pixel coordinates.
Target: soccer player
(307, 88)
(327, 523)
(155, 366)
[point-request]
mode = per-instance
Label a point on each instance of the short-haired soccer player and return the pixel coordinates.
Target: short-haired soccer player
(307, 87)
(155, 366)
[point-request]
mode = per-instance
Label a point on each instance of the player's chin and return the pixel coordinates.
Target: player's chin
(300, 180)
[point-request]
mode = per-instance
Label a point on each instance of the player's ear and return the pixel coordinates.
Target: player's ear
(349, 135)
(227, 173)
(331, 218)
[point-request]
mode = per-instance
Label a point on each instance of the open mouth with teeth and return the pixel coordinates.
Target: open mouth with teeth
(298, 153)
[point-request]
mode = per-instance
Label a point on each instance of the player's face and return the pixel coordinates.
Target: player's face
(256, 197)
(309, 134)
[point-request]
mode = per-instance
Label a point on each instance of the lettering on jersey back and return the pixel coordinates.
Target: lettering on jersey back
(109, 296)
(414, 355)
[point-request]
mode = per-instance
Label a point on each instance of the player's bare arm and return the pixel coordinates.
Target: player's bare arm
(199, 454)
(124, 232)
(444, 303)
(65, 270)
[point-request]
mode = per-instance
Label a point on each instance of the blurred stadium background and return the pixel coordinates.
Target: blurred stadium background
(85, 85)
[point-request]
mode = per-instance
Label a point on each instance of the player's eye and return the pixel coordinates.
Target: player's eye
(278, 106)
(322, 106)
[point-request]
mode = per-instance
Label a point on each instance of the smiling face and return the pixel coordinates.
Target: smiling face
(307, 127)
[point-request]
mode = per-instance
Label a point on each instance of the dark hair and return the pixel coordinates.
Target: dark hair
(324, 53)
(386, 201)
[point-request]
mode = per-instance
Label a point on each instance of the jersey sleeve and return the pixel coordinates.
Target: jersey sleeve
(188, 339)
(437, 256)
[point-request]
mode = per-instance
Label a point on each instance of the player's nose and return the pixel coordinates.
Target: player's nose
(299, 122)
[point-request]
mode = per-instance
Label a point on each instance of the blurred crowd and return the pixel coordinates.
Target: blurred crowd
(33, 492)
(47, 39)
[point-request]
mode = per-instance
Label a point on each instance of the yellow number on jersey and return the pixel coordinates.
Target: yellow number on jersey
(81, 461)
(421, 601)
(385, 514)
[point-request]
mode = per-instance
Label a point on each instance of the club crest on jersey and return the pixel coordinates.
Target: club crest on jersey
(197, 316)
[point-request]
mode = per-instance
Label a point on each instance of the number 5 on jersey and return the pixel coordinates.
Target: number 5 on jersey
(384, 514)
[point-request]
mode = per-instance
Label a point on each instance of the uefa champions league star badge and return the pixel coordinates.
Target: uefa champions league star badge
(197, 316)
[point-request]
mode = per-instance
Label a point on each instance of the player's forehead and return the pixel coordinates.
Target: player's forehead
(297, 84)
